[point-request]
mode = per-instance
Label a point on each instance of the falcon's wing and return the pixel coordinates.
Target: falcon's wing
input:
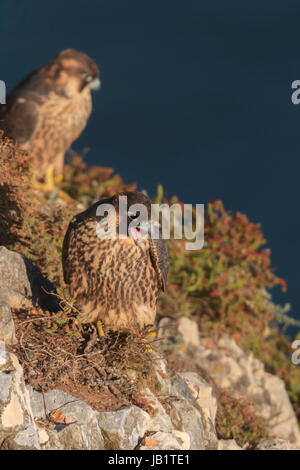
(18, 118)
(159, 254)
(68, 243)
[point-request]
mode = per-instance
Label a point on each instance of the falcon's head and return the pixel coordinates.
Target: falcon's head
(131, 217)
(135, 215)
(72, 72)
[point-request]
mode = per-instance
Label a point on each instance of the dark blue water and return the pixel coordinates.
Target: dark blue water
(196, 95)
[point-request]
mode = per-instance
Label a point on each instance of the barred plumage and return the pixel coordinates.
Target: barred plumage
(116, 281)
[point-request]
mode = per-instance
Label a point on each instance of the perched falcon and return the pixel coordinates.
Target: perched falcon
(115, 281)
(49, 109)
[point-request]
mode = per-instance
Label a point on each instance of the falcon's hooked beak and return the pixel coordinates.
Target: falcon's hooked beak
(95, 84)
(92, 83)
(145, 229)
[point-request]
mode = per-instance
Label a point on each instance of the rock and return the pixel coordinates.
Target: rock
(238, 371)
(159, 419)
(161, 441)
(202, 393)
(167, 332)
(225, 342)
(162, 374)
(17, 426)
(228, 444)
(24, 283)
(276, 444)
(27, 438)
(79, 437)
(180, 388)
(54, 400)
(82, 433)
(183, 438)
(7, 327)
(186, 418)
(205, 401)
(179, 331)
(199, 394)
(52, 442)
(123, 429)
(188, 330)
(43, 435)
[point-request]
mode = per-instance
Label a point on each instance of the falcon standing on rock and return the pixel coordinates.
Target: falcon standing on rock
(115, 281)
(49, 109)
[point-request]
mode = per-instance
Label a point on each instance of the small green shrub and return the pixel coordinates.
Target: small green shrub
(236, 419)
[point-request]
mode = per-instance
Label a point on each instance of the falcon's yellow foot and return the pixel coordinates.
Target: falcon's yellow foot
(100, 328)
(50, 185)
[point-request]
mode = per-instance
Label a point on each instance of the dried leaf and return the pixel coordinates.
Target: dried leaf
(148, 442)
(57, 417)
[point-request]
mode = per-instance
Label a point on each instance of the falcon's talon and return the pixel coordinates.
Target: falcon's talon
(58, 179)
(50, 187)
(49, 179)
(100, 328)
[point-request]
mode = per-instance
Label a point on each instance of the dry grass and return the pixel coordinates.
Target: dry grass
(56, 351)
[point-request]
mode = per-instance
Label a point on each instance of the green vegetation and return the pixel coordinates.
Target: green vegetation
(236, 419)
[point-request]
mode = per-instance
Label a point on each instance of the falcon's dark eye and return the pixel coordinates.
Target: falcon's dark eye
(87, 77)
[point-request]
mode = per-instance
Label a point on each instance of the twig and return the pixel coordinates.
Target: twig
(47, 416)
(34, 319)
(61, 298)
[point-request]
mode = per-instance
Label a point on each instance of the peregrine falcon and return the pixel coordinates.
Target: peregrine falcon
(115, 281)
(49, 109)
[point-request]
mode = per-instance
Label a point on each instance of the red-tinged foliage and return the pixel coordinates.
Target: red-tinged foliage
(225, 283)
(236, 419)
(91, 183)
(14, 173)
